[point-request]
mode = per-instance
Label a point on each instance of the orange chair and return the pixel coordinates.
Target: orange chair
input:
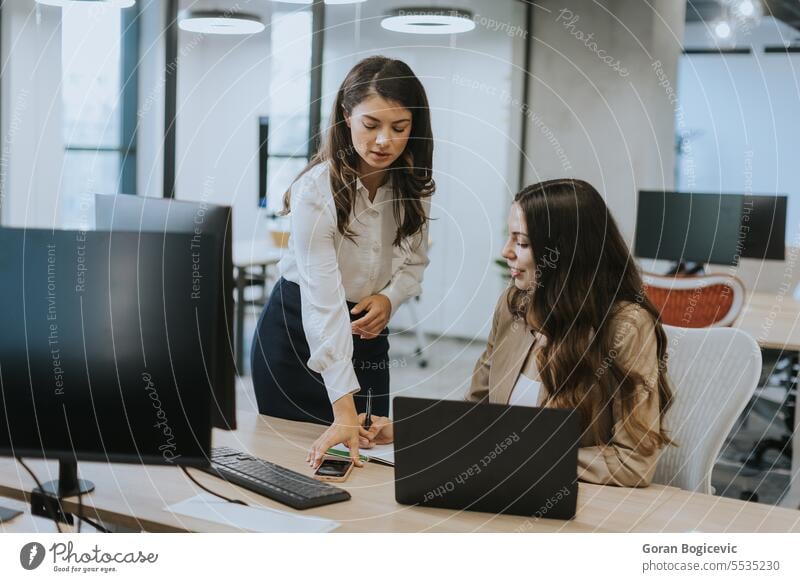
(696, 301)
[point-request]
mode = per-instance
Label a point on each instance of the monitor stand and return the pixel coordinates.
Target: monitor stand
(67, 483)
(686, 268)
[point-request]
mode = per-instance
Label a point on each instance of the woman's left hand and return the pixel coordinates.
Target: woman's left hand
(379, 309)
(380, 433)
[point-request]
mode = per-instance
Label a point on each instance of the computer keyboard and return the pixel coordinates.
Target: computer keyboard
(271, 480)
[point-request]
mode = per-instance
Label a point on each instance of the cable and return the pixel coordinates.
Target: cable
(80, 517)
(92, 523)
(53, 515)
(207, 490)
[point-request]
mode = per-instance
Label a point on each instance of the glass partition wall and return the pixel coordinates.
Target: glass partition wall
(118, 100)
(99, 92)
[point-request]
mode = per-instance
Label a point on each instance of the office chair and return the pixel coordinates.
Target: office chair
(775, 399)
(696, 301)
(775, 402)
(713, 373)
(419, 334)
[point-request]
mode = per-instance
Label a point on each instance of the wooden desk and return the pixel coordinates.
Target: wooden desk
(134, 497)
(27, 523)
(773, 319)
(689, 512)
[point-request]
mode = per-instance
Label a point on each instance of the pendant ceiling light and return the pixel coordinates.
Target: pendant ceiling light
(220, 22)
(329, 2)
(109, 3)
(429, 21)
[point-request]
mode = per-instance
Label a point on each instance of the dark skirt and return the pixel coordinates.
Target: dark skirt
(285, 387)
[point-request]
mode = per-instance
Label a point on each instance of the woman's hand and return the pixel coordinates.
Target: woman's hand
(380, 433)
(379, 309)
(344, 430)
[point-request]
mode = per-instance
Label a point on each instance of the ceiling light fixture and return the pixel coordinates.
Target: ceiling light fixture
(329, 2)
(746, 8)
(220, 22)
(722, 30)
(109, 3)
(429, 21)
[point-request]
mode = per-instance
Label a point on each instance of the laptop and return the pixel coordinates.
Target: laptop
(516, 460)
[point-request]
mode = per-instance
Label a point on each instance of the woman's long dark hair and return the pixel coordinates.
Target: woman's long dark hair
(411, 174)
(574, 300)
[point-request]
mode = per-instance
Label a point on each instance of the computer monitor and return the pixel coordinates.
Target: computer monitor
(709, 228)
(764, 225)
(142, 214)
(105, 339)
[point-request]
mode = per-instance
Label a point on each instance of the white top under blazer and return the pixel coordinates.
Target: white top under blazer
(525, 392)
(331, 269)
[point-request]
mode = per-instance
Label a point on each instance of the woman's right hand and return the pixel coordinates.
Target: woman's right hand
(344, 430)
(381, 432)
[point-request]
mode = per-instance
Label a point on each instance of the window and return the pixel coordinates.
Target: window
(99, 84)
(285, 132)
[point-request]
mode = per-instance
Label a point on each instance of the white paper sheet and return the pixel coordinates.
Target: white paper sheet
(380, 453)
(250, 518)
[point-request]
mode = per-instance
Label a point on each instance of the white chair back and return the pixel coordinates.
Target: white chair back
(714, 372)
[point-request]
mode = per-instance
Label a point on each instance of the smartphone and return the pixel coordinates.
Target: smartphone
(334, 469)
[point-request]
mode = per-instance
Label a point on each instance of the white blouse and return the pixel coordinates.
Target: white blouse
(525, 392)
(331, 269)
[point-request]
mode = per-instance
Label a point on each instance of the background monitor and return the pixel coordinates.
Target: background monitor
(159, 215)
(105, 340)
(709, 228)
(764, 226)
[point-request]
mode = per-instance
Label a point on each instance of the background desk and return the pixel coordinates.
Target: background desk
(134, 497)
(774, 322)
(247, 256)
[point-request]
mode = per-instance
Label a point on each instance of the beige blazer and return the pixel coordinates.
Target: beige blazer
(615, 461)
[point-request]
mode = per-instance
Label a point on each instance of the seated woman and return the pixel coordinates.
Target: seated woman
(575, 330)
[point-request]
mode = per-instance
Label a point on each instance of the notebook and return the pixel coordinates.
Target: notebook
(383, 454)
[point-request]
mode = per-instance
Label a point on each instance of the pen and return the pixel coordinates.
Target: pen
(368, 417)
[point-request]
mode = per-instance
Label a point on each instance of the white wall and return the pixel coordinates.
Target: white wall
(223, 87)
(150, 111)
(32, 145)
(469, 79)
(742, 116)
(32, 125)
(610, 123)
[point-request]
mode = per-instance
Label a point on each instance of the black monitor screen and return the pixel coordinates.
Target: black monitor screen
(764, 225)
(105, 340)
(709, 228)
(127, 213)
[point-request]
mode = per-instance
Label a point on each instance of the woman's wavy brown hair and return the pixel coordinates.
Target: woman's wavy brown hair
(574, 300)
(411, 174)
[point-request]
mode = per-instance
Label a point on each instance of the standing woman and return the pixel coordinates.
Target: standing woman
(358, 248)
